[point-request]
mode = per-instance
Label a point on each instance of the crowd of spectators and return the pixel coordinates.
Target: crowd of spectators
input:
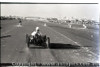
(74, 21)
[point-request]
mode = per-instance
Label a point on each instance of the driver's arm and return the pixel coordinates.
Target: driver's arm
(33, 34)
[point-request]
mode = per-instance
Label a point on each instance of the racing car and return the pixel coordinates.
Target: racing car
(38, 41)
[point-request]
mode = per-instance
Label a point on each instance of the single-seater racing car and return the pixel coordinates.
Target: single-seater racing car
(42, 40)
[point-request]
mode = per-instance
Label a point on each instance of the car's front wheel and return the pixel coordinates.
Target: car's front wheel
(47, 42)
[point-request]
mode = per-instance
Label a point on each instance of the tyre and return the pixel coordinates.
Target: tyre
(27, 40)
(47, 42)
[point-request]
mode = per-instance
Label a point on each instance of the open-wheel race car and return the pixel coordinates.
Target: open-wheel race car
(38, 40)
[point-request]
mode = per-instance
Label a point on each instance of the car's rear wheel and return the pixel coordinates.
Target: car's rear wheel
(47, 42)
(27, 40)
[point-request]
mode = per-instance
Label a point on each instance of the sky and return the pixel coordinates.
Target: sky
(88, 11)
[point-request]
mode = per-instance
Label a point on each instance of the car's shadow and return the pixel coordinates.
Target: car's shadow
(58, 46)
(63, 46)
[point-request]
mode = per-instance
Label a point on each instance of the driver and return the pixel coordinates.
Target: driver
(36, 32)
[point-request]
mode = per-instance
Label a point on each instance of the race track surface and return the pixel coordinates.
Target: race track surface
(66, 44)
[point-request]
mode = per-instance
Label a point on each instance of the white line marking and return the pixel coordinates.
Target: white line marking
(74, 42)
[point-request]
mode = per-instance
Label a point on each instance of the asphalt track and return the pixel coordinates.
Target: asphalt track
(67, 44)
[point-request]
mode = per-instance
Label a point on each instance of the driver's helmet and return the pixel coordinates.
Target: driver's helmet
(37, 28)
